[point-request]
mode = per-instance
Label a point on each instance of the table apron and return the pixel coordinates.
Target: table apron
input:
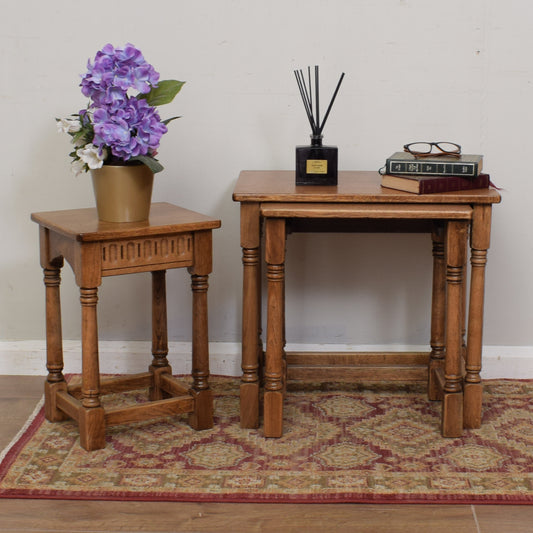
(367, 211)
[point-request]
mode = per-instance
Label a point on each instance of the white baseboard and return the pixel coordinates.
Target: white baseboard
(29, 357)
(116, 357)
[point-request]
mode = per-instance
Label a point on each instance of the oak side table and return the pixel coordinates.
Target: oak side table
(173, 237)
(270, 202)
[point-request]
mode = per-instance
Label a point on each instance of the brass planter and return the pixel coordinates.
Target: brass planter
(123, 193)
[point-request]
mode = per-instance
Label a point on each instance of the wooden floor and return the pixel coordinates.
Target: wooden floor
(18, 396)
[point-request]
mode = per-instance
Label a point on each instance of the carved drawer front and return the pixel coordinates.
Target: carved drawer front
(147, 251)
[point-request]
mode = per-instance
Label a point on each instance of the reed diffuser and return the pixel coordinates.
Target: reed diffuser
(315, 164)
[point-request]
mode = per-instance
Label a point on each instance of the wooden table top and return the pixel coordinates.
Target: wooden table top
(353, 186)
(83, 224)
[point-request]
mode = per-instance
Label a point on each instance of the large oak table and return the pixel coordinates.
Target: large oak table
(272, 204)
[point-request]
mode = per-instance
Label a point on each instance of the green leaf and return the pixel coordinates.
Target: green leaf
(164, 93)
(165, 122)
(153, 164)
(79, 135)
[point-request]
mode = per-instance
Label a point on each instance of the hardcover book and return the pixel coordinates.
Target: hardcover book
(435, 184)
(468, 165)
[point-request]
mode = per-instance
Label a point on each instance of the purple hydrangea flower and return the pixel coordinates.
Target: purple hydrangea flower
(129, 130)
(117, 69)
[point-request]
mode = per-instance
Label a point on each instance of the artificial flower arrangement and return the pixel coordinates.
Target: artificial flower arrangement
(118, 127)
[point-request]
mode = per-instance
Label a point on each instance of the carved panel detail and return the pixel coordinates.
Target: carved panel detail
(147, 251)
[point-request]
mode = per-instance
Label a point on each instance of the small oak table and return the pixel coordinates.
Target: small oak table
(359, 203)
(173, 237)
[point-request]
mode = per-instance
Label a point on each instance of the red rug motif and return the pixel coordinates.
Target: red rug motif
(342, 443)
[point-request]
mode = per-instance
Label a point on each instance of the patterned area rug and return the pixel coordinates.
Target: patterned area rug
(342, 443)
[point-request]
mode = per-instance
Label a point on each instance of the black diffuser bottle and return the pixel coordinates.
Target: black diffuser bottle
(315, 164)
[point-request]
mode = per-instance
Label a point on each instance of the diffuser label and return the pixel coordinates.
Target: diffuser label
(317, 166)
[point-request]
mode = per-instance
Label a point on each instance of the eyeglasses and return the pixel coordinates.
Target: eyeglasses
(425, 149)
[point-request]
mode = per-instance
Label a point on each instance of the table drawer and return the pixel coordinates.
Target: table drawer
(147, 251)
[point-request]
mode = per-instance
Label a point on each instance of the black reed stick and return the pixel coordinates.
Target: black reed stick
(317, 91)
(307, 98)
(301, 85)
(306, 92)
(309, 77)
(330, 104)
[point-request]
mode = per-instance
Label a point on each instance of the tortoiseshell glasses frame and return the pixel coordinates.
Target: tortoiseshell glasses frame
(425, 149)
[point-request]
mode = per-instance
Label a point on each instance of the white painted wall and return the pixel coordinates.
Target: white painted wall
(460, 70)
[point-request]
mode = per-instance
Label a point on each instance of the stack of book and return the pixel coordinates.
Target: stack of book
(405, 172)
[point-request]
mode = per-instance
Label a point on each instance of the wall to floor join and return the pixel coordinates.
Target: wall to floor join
(29, 357)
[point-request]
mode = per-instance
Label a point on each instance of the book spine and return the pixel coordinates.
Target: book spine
(453, 183)
(432, 168)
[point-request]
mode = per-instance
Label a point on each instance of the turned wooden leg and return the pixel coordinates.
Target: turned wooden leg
(251, 357)
(284, 341)
(480, 240)
(464, 307)
(275, 259)
(452, 408)
(91, 418)
(202, 417)
(259, 341)
(160, 363)
(55, 381)
(438, 315)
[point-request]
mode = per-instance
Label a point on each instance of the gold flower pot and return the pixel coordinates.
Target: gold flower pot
(123, 192)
